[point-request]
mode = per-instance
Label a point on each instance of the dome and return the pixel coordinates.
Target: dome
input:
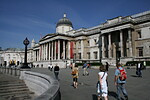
(64, 21)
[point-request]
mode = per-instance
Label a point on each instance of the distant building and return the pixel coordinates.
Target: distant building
(119, 39)
(11, 56)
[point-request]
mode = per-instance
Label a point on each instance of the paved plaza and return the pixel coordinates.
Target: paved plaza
(137, 88)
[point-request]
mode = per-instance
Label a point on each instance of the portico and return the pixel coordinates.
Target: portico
(116, 43)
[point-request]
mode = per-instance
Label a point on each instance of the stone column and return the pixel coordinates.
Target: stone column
(38, 55)
(121, 43)
(103, 48)
(46, 45)
(43, 51)
(52, 51)
(82, 50)
(55, 50)
(130, 42)
(34, 56)
(58, 49)
(64, 49)
(69, 49)
(49, 50)
(109, 46)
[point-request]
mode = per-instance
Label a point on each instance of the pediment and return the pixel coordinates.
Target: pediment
(55, 36)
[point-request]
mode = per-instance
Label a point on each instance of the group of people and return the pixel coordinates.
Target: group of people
(119, 82)
(102, 84)
(56, 70)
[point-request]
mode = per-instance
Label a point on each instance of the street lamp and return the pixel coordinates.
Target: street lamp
(25, 64)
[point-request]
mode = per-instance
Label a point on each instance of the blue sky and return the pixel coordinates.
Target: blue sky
(35, 18)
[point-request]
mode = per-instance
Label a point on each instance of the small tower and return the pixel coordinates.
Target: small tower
(64, 25)
(32, 43)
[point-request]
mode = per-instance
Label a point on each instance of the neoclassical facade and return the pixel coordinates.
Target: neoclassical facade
(66, 45)
(120, 39)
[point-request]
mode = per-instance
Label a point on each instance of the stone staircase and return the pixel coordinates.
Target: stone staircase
(11, 88)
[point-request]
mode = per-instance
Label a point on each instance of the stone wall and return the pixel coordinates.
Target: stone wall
(44, 86)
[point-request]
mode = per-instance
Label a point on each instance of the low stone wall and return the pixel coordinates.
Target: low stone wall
(44, 86)
(44, 64)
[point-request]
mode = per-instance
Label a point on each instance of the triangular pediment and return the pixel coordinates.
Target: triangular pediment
(55, 36)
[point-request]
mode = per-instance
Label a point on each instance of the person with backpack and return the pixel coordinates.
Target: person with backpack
(75, 75)
(120, 80)
(102, 87)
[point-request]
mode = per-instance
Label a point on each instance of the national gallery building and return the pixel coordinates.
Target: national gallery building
(120, 39)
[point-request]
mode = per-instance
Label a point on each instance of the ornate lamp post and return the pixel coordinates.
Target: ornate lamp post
(25, 64)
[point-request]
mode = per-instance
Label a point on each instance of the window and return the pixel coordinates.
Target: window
(95, 55)
(139, 34)
(75, 44)
(88, 43)
(88, 55)
(95, 41)
(140, 51)
(79, 55)
(79, 44)
(74, 56)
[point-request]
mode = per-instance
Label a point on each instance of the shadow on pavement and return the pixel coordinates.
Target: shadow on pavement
(94, 97)
(112, 94)
(133, 75)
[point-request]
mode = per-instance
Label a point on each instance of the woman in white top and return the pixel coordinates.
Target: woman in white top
(102, 77)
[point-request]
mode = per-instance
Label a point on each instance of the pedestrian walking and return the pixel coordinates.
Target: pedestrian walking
(102, 87)
(75, 75)
(56, 71)
(50, 67)
(107, 66)
(144, 64)
(85, 72)
(139, 69)
(120, 80)
(71, 65)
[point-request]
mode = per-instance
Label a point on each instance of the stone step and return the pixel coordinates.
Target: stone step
(15, 93)
(14, 81)
(25, 96)
(11, 82)
(12, 90)
(12, 87)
